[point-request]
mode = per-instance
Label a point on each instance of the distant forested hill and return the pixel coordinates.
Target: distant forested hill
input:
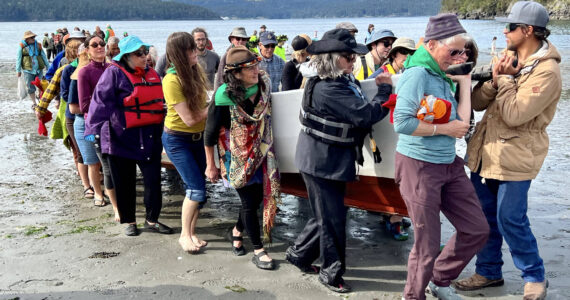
(283, 9)
(485, 9)
(56, 10)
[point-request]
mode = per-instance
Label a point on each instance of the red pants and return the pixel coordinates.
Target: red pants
(429, 189)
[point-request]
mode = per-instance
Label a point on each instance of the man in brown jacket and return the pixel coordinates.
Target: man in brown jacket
(510, 144)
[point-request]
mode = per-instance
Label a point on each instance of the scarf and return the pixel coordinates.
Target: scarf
(223, 99)
(248, 146)
(422, 58)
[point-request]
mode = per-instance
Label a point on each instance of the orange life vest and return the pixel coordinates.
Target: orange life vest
(145, 105)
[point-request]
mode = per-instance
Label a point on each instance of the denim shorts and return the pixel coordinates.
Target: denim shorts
(86, 148)
(186, 152)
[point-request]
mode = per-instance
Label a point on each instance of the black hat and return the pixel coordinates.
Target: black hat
(299, 43)
(337, 40)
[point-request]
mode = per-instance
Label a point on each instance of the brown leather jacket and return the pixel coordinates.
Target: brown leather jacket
(510, 142)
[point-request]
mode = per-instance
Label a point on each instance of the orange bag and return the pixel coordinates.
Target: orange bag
(434, 110)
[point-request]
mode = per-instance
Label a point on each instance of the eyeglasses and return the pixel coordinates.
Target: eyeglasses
(94, 45)
(349, 57)
(512, 26)
(141, 52)
(269, 46)
(200, 40)
(454, 52)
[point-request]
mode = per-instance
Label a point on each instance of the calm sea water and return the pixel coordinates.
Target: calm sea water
(156, 32)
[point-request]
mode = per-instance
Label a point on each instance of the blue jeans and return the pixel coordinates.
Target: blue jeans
(189, 158)
(505, 206)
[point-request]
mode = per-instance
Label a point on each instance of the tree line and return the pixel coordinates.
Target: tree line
(58, 10)
(284, 9)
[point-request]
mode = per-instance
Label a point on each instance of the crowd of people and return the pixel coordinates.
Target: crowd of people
(121, 105)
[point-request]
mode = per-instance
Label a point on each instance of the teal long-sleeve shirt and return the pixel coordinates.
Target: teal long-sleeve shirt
(414, 84)
(34, 70)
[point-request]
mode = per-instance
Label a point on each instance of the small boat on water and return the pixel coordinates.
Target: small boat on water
(375, 189)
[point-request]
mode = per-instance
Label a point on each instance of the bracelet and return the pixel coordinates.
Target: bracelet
(434, 129)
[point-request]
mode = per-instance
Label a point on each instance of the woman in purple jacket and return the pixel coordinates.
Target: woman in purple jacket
(127, 145)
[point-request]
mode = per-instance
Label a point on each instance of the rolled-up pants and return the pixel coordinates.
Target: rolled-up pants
(428, 189)
(325, 233)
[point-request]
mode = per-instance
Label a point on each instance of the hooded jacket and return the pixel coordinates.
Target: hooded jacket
(510, 142)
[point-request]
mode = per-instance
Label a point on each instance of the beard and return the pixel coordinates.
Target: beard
(201, 48)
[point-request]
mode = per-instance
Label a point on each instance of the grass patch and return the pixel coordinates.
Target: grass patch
(31, 230)
(44, 236)
(8, 236)
(85, 228)
(236, 288)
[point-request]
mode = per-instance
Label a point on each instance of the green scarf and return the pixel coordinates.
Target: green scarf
(171, 70)
(222, 98)
(422, 58)
(75, 63)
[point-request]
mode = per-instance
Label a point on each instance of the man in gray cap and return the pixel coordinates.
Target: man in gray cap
(271, 63)
(348, 26)
(510, 144)
(238, 37)
(379, 46)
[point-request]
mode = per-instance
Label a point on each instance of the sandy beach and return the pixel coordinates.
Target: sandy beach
(54, 244)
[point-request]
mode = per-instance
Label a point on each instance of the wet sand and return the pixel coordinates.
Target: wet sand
(54, 244)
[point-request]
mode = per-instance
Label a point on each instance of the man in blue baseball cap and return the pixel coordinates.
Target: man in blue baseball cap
(271, 63)
(510, 144)
(379, 46)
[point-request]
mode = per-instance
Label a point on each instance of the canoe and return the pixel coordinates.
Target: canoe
(375, 189)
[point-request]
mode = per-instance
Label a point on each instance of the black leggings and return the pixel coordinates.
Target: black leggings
(124, 175)
(251, 197)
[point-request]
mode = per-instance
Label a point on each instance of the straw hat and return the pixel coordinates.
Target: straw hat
(29, 34)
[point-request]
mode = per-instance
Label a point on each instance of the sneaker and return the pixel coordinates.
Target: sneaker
(292, 258)
(476, 282)
(158, 227)
(535, 290)
(442, 292)
(397, 230)
(341, 287)
(132, 230)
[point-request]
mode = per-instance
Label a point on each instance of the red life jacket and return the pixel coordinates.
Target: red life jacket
(145, 105)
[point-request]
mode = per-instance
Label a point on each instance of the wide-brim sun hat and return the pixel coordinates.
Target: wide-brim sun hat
(337, 40)
(238, 32)
(128, 45)
(76, 35)
(378, 35)
(29, 34)
(527, 12)
(402, 43)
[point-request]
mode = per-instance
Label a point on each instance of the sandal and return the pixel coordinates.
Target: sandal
(89, 193)
(264, 265)
(237, 251)
(99, 202)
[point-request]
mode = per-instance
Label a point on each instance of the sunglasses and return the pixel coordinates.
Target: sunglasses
(512, 26)
(349, 57)
(141, 52)
(101, 43)
(241, 39)
(405, 51)
(387, 43)
(269, 46)
(454, 52)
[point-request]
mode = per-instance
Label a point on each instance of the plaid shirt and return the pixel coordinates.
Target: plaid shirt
(51, 92)
(274, 67)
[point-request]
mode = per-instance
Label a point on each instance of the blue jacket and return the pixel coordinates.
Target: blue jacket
(413, 85)
(54, 65)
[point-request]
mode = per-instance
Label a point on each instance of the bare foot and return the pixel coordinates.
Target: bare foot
(198, 242)
(188, 245)
(117, 217)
